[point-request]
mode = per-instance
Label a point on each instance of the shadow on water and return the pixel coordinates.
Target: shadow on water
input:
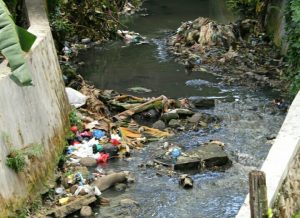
(246, 121)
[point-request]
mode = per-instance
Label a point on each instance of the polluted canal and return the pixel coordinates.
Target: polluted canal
(247, 118)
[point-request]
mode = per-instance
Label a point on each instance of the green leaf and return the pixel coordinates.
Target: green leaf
(26, 38)
(10, 46)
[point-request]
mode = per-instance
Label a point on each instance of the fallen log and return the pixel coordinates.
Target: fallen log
(157, 103)
(108, 181)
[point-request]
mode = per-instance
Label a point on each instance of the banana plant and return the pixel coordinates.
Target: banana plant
(14, 42)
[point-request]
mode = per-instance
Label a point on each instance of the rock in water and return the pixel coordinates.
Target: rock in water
(186, 181)
(88, 162)
(169, 116)
(195, 118)
(174, 123)
(128, 202)
(200, 102)
(159, 125)
(86, 211)
(120, 187)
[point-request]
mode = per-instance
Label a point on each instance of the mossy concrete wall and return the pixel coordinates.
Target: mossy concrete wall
(34, 114)
(275, 22)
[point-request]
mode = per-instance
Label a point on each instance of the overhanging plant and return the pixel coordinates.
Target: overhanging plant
(14, 42)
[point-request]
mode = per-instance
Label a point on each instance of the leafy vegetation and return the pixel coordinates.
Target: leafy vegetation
(75, 119)
(245, 8)
(255, 9)
(16, 41)
(16, 160)
(74, 20)
(293, 38)
(17, 157)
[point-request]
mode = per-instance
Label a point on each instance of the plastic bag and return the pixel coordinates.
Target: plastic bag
(103, 158)
(75, 98)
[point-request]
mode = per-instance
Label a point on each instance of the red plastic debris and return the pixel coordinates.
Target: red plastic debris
(115, 142)
(75, 142)
(74, 129)
(103, 158)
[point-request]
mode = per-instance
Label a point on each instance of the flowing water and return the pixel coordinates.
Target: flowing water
(246, 116)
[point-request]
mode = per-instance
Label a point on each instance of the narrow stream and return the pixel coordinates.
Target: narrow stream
(247, 120)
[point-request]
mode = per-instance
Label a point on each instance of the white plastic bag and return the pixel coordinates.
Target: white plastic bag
(75, 98)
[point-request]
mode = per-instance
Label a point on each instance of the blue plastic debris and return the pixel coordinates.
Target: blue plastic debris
(98, 134)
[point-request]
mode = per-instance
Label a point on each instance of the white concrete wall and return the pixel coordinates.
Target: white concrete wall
(282, 160)
(32, 114)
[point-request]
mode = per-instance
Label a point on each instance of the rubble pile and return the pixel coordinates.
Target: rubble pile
(239, 51)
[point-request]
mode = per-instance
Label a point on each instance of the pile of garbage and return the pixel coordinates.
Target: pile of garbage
(107, 125)
(239, 48)
(132, 37)
(130, 8)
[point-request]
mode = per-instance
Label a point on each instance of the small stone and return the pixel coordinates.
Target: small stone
(166, 145)
(174, 123)
(128, 202)
(73, 189)
(201, 102)
(150, 163)
(120, 187)
(104, 201)
(169, 116)
(159, 125)
(86, 211)
(129, 177)
(88, 162)
(195, 118)
(203, 124)
(186, 181)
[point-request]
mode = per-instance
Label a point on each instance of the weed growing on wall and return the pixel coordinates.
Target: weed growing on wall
(17, 159)
(75, 119)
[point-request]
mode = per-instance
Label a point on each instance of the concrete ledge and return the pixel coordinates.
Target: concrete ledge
(281, 156)
(32, 115)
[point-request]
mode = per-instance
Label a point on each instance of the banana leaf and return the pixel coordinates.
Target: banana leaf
(13, 48)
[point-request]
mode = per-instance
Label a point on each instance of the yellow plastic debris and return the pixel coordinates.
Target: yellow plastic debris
(63, 201)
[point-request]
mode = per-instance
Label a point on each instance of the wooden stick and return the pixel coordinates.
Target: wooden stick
(258, 194)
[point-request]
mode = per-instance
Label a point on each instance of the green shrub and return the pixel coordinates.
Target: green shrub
(244, 8)
(95, 19)
(292, 76)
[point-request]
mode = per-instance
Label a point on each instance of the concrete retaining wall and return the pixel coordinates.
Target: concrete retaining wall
(32, 115)
(282, 167)
(275, 23)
